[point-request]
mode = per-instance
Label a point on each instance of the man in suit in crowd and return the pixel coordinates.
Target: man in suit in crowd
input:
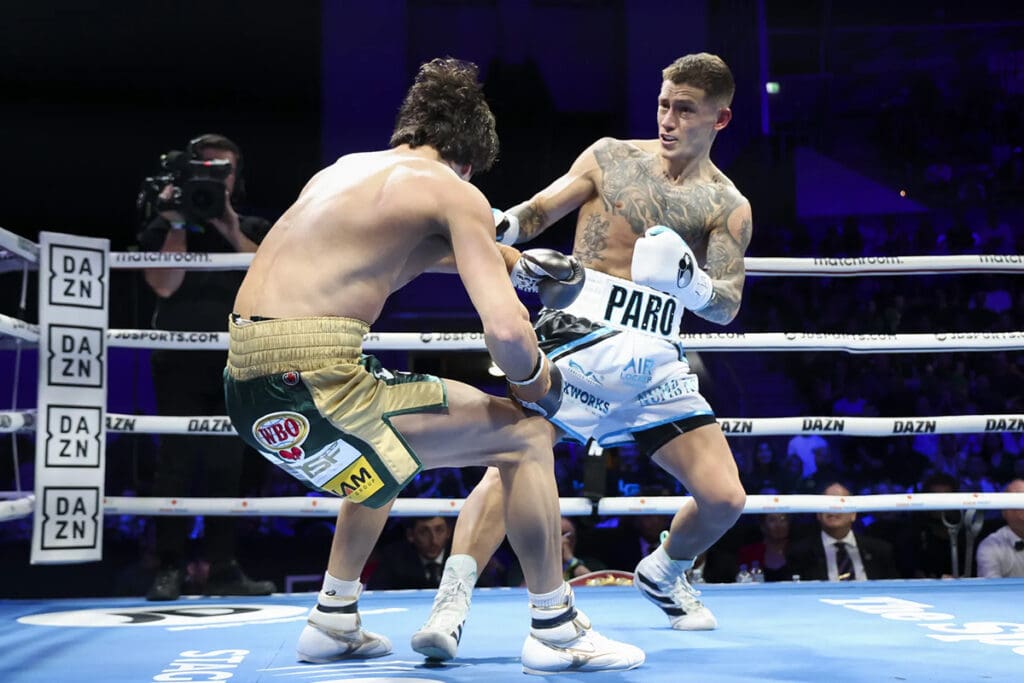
(1001, 554)
(417, 560)
(838, 553)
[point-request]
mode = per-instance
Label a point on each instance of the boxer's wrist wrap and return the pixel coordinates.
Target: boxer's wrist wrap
(535, 375)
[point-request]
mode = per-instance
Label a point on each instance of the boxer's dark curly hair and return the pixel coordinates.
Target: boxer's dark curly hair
(445, 108)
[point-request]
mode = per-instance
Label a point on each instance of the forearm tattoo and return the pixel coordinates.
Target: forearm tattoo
(725, 266)
(532, 220)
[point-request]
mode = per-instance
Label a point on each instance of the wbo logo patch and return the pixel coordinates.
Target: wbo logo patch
(282, 433)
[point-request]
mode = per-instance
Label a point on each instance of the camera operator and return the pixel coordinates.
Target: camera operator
(193, 212)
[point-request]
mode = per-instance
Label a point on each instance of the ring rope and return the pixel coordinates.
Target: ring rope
(316, 506)
(18, 248)
(16, 505)
(218, 425)
(855, 266)
(942, 342)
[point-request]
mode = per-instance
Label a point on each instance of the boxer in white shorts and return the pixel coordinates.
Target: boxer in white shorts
(624, 370)
(660, 230)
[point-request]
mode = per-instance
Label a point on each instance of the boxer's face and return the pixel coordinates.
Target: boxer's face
(687, 121)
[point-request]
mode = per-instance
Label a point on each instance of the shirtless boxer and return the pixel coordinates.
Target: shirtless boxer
(650, 211)
(300, 391)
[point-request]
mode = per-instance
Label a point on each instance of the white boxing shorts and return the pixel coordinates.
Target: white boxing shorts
(624, 371)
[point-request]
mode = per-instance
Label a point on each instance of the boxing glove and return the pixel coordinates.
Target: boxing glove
(506, 227)
(664, 261)
(558, 279)
(530, 392)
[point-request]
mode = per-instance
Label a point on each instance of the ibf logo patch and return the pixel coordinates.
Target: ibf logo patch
(357, 482)
(282, 433)
(638, 372)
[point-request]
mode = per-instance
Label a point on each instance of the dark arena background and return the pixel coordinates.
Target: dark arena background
(868, 136)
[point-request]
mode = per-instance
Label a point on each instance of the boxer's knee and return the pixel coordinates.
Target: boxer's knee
(723, 503)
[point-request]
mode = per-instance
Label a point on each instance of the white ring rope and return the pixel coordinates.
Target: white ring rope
(17, 421)
(216, 425)
(811, 267)
(18, 329)
(316, 506)
(16, 504)
(939, 342)
(942, 342)
(18, 248)
(895, 502)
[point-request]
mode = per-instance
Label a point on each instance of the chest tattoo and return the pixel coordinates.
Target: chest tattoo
(592, 240)
(634, 187)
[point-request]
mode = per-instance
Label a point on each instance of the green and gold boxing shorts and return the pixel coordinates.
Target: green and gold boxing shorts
(301, 392)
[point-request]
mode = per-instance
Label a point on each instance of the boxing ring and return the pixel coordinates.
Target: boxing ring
(951, 630)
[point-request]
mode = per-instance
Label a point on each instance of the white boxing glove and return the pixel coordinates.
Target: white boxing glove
(664, 261)
(506, 227)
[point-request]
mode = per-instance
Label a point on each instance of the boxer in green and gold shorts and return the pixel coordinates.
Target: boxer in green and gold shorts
(301, 392)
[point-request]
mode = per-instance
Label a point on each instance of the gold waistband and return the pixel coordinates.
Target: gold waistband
(266, 347)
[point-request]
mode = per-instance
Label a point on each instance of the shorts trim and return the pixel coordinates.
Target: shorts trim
(583, 342)
(652, 437)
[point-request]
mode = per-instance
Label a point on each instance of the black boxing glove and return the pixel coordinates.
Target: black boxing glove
(558, 279)
(525, 392)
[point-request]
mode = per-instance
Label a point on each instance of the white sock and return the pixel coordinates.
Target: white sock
(556, 598)
(462, 567)
(339, 588)
(664, 566)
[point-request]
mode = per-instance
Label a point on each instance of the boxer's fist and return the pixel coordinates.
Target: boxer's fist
(664, 261)
(558, 279)
(506, 227)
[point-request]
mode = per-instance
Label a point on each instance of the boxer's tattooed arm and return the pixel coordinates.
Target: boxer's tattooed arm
(635, 188)
(532, 220)
(726, 247)
(592, 240)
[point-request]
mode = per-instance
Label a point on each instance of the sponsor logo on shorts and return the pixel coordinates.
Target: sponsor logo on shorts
(586, 399)
(668, 391)
(638, 372)
(357, 482)
(282, 433)
(588, 376)
(648, 311)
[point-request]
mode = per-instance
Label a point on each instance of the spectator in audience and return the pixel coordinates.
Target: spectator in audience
(838, 553)
(766, 471)
(806, 447)
(827, 469)
(770, 553)
(927, 552)
(1001, 554)
(417, 560)
(573, 566)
